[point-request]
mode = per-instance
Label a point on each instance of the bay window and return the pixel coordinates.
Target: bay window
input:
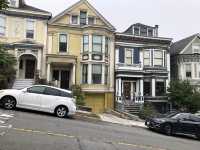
(2, 26)
(85, 73)
(147, 58)
(63, 43)
(85, 43)
(97, 43)
(96, 73)
(30, 28)
(158, 58)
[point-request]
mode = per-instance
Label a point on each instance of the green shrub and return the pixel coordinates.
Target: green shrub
(147, 111)
(78, 93)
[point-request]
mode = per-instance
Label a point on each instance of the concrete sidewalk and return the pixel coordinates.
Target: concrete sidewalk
(114, 119)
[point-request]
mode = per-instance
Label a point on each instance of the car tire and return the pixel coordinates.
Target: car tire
(167, 129)
(9, 102)
(61, 111)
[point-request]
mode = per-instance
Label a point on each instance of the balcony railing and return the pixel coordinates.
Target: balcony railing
(134, 100)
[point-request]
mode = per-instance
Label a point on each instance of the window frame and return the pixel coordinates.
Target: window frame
(85, 74)
(77, 22)
(99, 75)
(158, 58)
(91, 17)
(85, 44)
(145, 58)
(51, 93)
(59, 46)
(3, 27)
(190, 71)
(30, 31)
(28, 90)
(83, 18)
(135, 31)
(95, 43)
(131, 57)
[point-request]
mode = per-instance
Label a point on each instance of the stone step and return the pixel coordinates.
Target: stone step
(22, 83)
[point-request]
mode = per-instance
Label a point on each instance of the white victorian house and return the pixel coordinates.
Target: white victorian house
(185, 60)
(142, 68)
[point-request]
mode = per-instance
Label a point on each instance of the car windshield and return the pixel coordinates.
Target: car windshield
(167, 115)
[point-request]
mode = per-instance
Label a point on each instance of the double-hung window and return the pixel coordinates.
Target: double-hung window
(147, 58)
(85, 43)
(150, 32)
(136, 31)
(188, 70)
(106, 45)
(2, 26)
(96, 73)
(97, 43)
(143, 31)
(158, 58)
(129, 56)
(91, 20)
(85, 73)
(160, 88)
(63, 43)
(30, 29)
(83, 17)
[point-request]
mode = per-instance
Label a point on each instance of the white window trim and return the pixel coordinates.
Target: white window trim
(186, 70)
(157, 58)
(34, 28)
(67, 51)
(5, 34)
(148, 50)
(78, 19)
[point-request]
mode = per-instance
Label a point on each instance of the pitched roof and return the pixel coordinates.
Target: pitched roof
(89, 5)
(178, 46)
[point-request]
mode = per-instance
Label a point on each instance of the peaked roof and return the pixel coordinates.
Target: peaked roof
(79, 3)
(178, 46)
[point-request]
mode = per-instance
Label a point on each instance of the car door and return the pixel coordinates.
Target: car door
(50, 99)
(31, 98)
(187, 125)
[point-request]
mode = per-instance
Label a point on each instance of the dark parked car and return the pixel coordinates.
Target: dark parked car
(172, 123)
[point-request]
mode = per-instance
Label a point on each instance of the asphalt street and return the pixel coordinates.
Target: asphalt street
(27, 130)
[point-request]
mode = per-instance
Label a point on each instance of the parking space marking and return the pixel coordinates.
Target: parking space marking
(48, 133)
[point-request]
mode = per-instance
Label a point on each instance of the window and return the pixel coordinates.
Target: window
(143, 31)
(196, 49)
(91, 20)
(158, 58)
(85, 43)
(74, 19)
(160, 88)
(147, 58)
(83, 18)
(136, 31)
(96, 74)
(65, 94)
(85, 73)
(13, 3)
(129, 56)
(2, 26)
(30, 29)
(150, 32)
(52, 91)
(188, 71)
(56, 75)
(36, 89)
(106, 74)
(63, 43)
(97, 43)
(147, 88)
(106, 45)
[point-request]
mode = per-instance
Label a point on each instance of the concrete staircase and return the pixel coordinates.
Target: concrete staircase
(22, 83)
(133, 109)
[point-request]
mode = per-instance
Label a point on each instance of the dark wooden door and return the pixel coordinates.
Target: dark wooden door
(65, 75)
(30, 69)
(127, 90)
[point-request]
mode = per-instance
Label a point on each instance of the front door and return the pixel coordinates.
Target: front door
(65, 79)
(30, 69)
(127, 90)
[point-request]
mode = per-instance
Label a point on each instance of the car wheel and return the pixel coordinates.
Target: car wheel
(198, 135)
(61, 111)
(9, 102)
(167, 129)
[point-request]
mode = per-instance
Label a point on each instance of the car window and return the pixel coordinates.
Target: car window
(181, 116)
(66, 94)
(36, 89)
(52, 91)
(194, 118)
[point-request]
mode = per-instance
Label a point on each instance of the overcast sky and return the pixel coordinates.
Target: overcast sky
(176, 18)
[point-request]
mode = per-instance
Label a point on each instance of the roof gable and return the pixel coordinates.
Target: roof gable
(82, 5)
(179, 46)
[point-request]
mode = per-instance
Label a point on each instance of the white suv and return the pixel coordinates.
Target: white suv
(40, 98)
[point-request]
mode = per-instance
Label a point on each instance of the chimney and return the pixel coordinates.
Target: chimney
(156, 30)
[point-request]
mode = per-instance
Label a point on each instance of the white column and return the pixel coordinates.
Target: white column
(89, 74)
(120, 87)
(90, 43)
(39, 60)
(74, 74)
(48, 72)
(103, 74)
(141, 87)
(141, 58)
(153, 87)
(103, 44)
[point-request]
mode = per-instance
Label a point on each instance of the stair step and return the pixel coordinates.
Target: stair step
(22, 83)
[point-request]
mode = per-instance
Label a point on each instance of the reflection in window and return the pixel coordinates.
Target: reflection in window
(96, 74)
(97, 43)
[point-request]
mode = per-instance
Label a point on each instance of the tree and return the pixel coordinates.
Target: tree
(7, 71)
(3, 4)
(78, 93)
(184, 96)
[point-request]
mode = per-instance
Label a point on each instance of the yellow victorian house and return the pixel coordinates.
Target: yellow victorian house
(81, 52)
(23, 30)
